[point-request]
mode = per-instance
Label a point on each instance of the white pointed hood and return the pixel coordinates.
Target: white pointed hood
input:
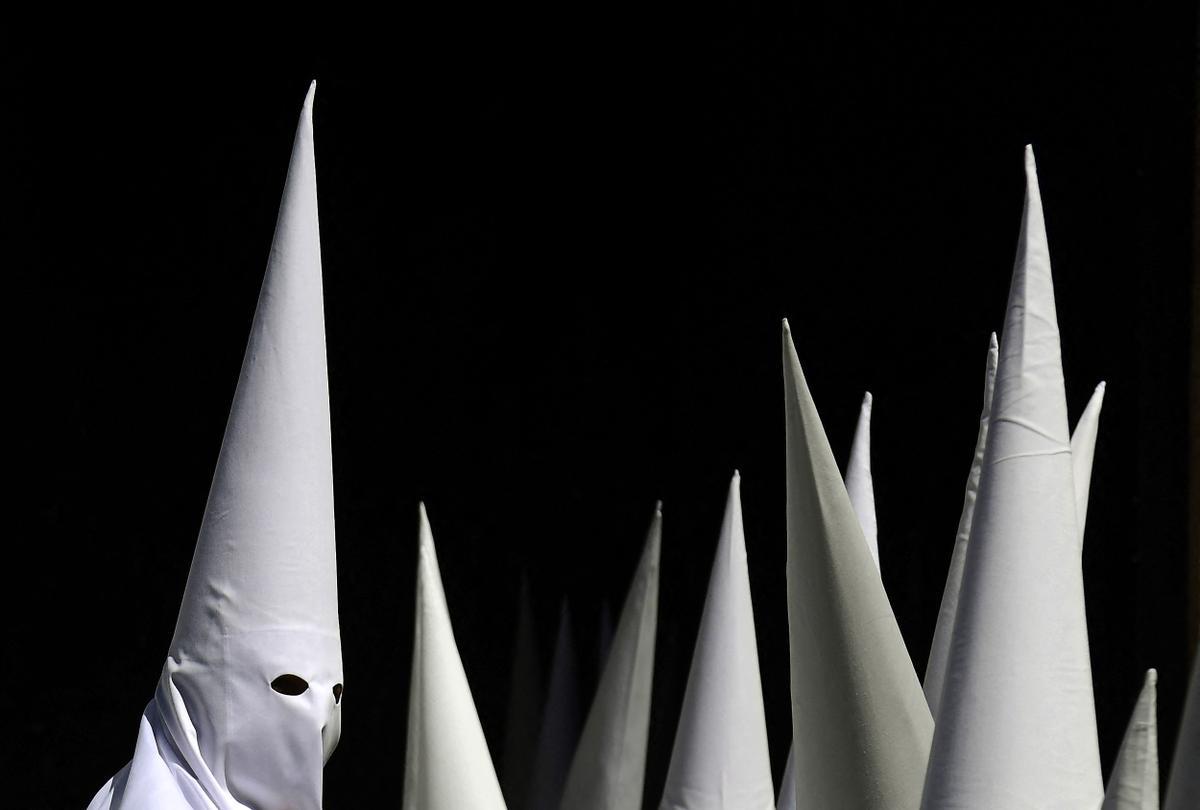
(861, 489)
(859, 485)
(1017, 725)
(560, 721)
(939, 650)
(1183, 785)
(860, 722)
(524, 705)
(720, 759)
(447, 765)
(1083, 451)
(609, 768)
(261, 596)
(1133, 784)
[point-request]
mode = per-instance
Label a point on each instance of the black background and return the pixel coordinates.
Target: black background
(556, 251)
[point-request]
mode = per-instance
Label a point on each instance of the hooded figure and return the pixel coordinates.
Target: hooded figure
(447, 765)
(609, 768)
(1133, 784)
(720, 759)
(861, 726)
(247, 708)
(1017, 723)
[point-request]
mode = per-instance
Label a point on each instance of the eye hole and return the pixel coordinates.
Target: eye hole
(337, 693)
(290, 685)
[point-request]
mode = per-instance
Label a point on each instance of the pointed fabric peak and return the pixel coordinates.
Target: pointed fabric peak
(861, 727)
(447, 765)
(609, 768)
(1083, 451)
(265, 556)
(859, 484)
(560, 721)
(1183, 786)
(939, 651)
(1016, 727)
(720, 757)
(1133, 784)
(524, 704)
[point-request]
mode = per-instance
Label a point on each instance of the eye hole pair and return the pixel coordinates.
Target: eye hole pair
(293, 685)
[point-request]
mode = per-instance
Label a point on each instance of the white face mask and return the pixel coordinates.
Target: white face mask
(267, 719)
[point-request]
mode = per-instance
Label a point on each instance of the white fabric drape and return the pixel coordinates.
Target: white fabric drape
(261, 595)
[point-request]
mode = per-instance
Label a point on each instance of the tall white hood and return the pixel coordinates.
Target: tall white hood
(260, 607)
(1017, 726)
(720, 759)
(609, 768)
(861, 727)
(447, 765)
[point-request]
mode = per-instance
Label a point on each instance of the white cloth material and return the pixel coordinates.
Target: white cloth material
(860, 723)
(1083, 452)
(859, 484)
(608, 771)
(1133, 784)
(559, 731)
(939, 649)
(720, 759)
(524, 705)
(261, 596)
(1017, 724)
(1183, 785)
(447, 765)
(861, 489)
(1083, 445)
